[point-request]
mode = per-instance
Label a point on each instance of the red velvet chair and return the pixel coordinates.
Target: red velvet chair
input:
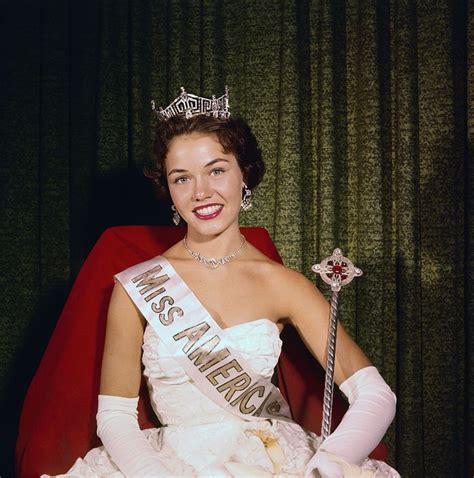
(58, 418)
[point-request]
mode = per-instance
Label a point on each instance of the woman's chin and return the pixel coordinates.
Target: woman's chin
(210, 226)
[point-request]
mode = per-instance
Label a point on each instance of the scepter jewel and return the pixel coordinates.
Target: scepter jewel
(337, 271)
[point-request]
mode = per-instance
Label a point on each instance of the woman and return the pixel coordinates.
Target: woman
(208, 314)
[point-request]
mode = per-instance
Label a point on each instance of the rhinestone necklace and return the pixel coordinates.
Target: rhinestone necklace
(211, 262)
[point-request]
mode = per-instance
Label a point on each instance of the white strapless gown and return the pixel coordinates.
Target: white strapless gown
(202, 439)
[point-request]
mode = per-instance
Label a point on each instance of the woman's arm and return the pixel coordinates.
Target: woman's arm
(121, 361)
(371, 402)
(117, 417)
(308, 311)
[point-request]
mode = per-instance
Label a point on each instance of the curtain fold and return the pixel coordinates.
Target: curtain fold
(405, 224)
(364, 113)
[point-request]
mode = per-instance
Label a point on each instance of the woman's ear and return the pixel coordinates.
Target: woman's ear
(244, 179)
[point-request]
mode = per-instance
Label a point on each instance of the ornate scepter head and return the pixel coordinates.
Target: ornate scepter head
(337, 270)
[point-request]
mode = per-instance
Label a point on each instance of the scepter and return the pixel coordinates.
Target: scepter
(337, 271)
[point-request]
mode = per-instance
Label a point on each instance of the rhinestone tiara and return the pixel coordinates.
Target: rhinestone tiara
(188, 105)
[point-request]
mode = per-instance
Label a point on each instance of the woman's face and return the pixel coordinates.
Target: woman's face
(204, 182)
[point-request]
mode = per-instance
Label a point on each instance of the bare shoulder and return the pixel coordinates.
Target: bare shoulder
(285, 286)
(123, 314)
(281, 276)
(174, 251)
(259, 265)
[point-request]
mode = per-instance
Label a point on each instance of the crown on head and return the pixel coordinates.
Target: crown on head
(188, 105)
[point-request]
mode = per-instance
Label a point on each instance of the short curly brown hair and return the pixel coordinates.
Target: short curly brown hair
(233, 134)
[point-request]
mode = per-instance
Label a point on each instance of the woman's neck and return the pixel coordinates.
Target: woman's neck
(217, 245)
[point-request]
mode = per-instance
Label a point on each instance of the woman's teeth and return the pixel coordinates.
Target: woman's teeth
(207, 211)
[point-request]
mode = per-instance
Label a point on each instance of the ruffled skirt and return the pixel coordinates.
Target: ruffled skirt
(233, 449)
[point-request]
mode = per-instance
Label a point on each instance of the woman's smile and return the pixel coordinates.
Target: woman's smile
(207, 212)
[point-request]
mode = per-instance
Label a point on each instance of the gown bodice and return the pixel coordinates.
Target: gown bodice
(175, 398)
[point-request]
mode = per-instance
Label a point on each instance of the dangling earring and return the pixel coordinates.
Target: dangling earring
(246, 204)
(176, 216)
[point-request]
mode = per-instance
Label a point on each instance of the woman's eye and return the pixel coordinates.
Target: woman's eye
(180, 180)
(217, 172)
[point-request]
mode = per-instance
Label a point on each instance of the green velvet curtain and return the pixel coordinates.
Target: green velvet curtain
(364, 111)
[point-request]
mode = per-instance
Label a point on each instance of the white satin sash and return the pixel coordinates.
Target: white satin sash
(199, 344)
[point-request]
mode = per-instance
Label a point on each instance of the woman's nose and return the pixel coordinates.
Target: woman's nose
(202, 189)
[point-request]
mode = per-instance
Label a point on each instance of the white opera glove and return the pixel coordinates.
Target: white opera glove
(372, 407)
(117, 427)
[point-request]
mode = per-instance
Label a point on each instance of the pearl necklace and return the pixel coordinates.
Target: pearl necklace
(211, 262)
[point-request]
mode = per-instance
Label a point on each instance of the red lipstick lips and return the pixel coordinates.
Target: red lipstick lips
(208, 212)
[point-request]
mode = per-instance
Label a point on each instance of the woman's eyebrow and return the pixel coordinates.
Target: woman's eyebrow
(177, 171)
(214, 161)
